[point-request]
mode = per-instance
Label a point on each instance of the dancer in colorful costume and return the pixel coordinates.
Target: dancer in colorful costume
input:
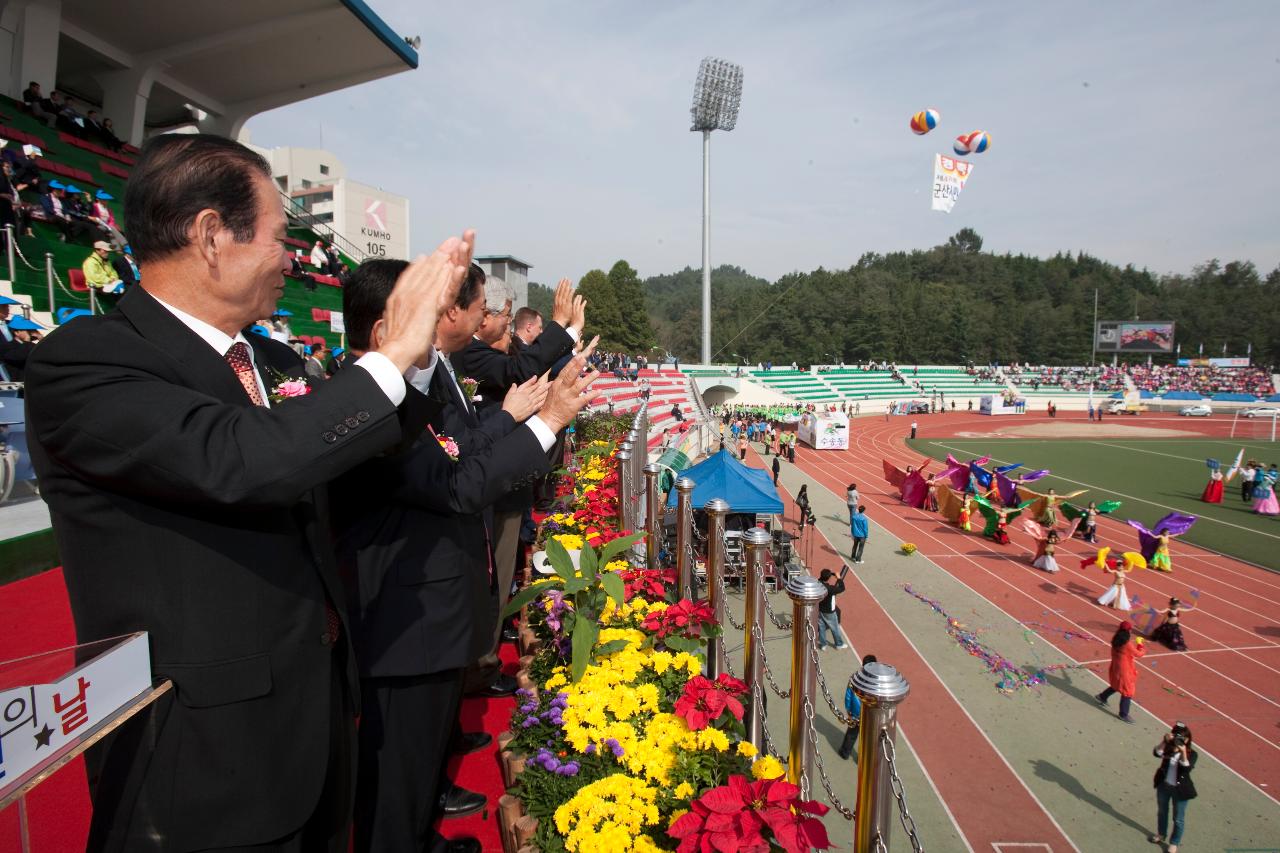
(910, 483)
(1115, 596)
(1154, 544)
(1007, 487)
(1212, 493)
(1169, 631)
(1264, 493)
(1089, 516)
(955, 506)
(1044, 508)
(998, 519)
(1047, 540)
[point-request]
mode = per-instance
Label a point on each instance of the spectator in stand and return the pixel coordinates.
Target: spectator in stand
(298, 272)
(15, 344)
(109, 137)
(127, 269)
(69, 118)
(314, 365)
(344, 273)
(677, 414)
(98, 271)
(319, 259)
(335, 261)
(95, 128)
(12, 210)
(101, 216)
(35, 103)
(57, 214)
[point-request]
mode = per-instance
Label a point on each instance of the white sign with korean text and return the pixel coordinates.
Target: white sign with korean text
(949, 176)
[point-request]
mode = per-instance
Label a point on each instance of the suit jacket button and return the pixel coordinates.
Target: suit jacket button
(329, 437)
(325, 639)
(341, 429)
(352, 422)
(362, 416)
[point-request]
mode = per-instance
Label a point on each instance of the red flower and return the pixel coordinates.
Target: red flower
(685, 618)
(649, 583)
(734, 817)
(704, 700)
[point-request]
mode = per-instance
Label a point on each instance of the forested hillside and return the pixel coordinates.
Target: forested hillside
(947, 305)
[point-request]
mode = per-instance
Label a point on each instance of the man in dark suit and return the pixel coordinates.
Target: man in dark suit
(16, 345)
(496, 372)
(186, 503)
(415, 555)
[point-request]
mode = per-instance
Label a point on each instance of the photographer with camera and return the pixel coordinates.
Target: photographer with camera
(1173, 783)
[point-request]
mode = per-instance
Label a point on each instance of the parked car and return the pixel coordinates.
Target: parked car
(1262, 412)
(1200, 410)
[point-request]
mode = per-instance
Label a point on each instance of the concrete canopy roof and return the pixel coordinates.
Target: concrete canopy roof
(230, 58)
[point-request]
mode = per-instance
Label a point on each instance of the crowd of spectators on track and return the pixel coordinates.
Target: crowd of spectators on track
(1158, 379)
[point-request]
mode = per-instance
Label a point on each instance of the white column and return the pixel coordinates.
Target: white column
(34, 29)
(125, 95)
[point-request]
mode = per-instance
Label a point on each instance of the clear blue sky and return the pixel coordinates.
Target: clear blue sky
(1138, 132)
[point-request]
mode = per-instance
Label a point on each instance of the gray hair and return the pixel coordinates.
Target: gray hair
(496, 296)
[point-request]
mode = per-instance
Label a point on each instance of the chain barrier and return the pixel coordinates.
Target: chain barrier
(724, 591)
(840, 713)
(908, 823)
(758, 699)
(768, 673)
(822, 770)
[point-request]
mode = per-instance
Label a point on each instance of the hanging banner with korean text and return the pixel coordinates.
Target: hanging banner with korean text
(949, 175)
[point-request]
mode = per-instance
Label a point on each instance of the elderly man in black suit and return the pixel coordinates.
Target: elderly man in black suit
(415, 553)
(495, 372)
(185, 501)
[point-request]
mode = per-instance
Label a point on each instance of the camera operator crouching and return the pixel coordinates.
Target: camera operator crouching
(1173, 783)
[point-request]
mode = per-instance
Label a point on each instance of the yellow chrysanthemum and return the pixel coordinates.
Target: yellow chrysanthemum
(767, 767)
(607, 815)
(747, 749)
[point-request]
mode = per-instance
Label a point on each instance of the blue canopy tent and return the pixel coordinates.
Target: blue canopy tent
(723, 476)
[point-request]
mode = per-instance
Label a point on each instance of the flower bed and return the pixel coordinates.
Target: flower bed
(626, 745)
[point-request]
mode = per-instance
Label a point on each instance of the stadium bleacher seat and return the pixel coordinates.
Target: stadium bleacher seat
(76, 280)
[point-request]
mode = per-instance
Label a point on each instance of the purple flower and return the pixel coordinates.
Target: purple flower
(615, 747)
(569, 768)
(591, 749)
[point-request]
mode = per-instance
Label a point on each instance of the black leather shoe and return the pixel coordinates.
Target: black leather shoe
(510, 634)
(502, 685)
(459, 802)
(471, 742)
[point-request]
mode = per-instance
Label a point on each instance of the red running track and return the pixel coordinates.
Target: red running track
(1227, 685)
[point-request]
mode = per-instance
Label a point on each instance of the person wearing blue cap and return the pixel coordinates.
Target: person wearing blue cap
(126, 268)
(58, 214)
(18, 337)
(101, 216)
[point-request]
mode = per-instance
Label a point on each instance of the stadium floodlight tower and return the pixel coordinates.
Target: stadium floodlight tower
(716, 98)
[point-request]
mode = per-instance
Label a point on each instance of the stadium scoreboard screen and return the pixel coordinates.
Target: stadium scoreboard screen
(1134, 336)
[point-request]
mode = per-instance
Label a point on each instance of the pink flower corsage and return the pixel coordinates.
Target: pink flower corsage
(469, 388)
(289, 388)
(448, 445)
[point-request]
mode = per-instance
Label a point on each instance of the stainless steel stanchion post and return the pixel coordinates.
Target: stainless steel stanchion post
(757, 543)
(881, 688)
(805, 592)
(652, 515)
(623, 460)
(48, 275)
(684, 540)
(717, 509)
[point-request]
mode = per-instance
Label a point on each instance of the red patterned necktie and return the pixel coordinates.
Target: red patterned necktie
(238, 358)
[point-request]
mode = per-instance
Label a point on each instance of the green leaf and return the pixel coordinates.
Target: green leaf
(676, 643)
(560, 560)
(587, 562)
(585, 634)
(575, 586)
(617, 546)
(614, 586)
(610, 647)
(529, 593)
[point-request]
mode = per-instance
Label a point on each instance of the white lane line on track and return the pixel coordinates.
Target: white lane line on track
(1084, 630)
(1131, 497)
(986, 547)
(907, 638)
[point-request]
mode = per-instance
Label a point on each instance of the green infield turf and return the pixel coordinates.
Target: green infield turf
(1151, 476)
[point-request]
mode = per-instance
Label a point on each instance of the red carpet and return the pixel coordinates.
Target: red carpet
(35, 616)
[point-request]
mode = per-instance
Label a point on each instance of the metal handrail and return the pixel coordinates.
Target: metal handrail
(294, 209)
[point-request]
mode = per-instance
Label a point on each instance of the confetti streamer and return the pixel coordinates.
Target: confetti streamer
(1009, 676)
(1054, 629)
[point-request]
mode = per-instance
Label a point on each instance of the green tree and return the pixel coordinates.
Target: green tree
(966, 240)
(541, 298)
(604, 316)
(635, 331)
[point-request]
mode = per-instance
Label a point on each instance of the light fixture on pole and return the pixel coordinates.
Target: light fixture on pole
(716, 98)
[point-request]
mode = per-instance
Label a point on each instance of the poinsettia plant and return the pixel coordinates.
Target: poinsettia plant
(705, 702)
(588, 586)
(751, 817)
(684, 626)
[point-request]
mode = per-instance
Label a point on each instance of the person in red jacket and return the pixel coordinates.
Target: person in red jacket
(1124, 673)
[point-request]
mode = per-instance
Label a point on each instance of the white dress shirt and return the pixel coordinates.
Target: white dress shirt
(378, 365)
